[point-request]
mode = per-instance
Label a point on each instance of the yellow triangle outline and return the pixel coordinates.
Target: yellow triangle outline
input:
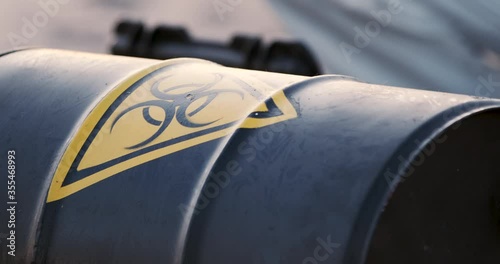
(57, 191)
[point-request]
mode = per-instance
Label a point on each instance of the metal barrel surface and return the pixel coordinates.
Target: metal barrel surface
(110, 159)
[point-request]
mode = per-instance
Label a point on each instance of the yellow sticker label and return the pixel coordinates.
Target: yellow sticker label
(167, 108)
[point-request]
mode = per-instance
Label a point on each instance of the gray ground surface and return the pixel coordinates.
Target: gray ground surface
(441, 45)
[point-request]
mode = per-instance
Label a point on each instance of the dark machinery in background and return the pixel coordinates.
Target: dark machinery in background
(164, 42)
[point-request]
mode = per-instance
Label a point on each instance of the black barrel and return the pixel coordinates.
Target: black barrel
(109, 159)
